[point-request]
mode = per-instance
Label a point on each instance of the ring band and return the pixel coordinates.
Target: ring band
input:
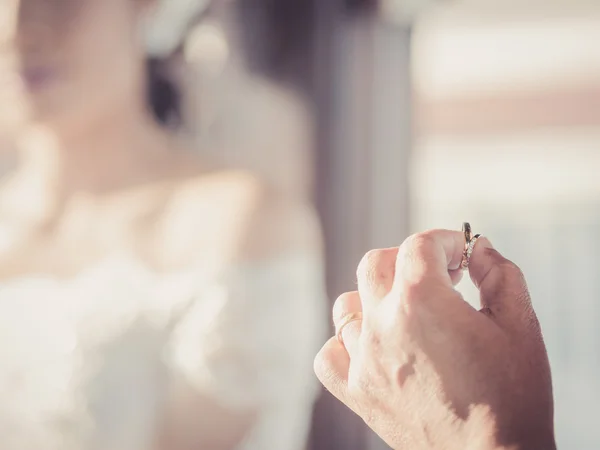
(466, 229)
(347, 319)
(470, 242)
(469, 251)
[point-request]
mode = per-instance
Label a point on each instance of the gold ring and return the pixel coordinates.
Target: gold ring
(347, 319)
(470, 242)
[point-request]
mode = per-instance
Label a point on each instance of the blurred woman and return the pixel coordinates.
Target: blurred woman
(148, 300)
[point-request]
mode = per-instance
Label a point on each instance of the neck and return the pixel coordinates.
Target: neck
(96, 157)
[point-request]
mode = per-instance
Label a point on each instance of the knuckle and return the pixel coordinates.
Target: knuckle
(418, 241)
(370, 260)
(377, 268)
(344, 304)
(371, 255)
(415, 248)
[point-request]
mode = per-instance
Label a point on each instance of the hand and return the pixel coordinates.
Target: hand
(424, 369)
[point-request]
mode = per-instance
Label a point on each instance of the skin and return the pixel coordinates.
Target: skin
(424, 369)
(90, 174)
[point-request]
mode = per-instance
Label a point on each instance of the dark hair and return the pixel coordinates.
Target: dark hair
(163, 96)
(276, 39)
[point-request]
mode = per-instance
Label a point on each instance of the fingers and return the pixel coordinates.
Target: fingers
(455, 275)
(502, 287)
(331, 366)
(431, 260)
(433, 256)
(346, 305)
(375, 276)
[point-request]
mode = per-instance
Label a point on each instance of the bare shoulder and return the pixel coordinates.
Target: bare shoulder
(236, 216)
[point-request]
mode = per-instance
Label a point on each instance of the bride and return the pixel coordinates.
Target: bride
(149, 300)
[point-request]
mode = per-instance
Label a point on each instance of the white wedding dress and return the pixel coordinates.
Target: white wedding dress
(88, 364)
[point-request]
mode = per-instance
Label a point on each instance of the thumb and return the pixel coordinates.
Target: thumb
(503, 291)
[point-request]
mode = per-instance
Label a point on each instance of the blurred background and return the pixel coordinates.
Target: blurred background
(394, 116)
(431, 113)
(428, 113)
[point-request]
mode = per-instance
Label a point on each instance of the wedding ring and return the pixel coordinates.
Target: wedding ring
(466, 229)
(470, 242)
(347, 319)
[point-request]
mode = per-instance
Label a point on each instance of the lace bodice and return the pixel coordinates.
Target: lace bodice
(89, 363)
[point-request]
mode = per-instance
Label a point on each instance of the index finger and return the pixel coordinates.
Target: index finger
(432, 255)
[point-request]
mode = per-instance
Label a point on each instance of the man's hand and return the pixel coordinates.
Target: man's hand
(424, 369)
